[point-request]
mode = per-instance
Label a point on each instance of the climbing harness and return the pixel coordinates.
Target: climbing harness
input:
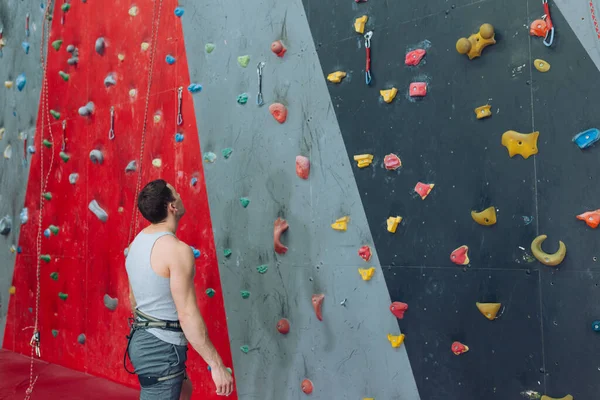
(259, 96)
(179, 100)
(111, 131)
(368, 37)
(543, 27)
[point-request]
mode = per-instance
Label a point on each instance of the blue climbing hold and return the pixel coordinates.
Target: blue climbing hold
(47, 233)
(194, 181)
(21, 81)
(170, 59)
(179, 11)
(586, 138)
(179, 137)
(196, 252)
(596, 326)
(25, 47)
(195, 88)
(31, 149)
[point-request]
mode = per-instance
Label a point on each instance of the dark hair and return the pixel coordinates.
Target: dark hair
(154, 199)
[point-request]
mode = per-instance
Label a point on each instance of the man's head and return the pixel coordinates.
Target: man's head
(159, 201)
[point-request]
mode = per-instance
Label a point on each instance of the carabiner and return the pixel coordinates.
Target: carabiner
(368, 37)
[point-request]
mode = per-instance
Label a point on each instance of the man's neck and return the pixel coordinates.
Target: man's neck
(170, 225)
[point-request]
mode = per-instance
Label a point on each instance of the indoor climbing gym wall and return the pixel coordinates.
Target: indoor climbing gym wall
(386, 200)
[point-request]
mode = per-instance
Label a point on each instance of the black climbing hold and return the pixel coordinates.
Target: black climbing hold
(100, 45)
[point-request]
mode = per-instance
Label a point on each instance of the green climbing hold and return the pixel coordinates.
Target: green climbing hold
(262, 268)
(65, 7)
(243, 61)
(210, 292)
(245, 294)
(47, 143)
(226, 252)
(54, 332)
(55, 114)
(54, 229)
(244, 201)
(65, 157)
(47, 196)
(245, 349)
(242, 98)
(210, 157)
(63, 296)
(227, 152)
(54, 276)
(56, 44)
(209, 47)
(45, 257)
(63, 74)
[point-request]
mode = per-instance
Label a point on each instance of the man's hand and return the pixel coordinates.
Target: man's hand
(223, 380)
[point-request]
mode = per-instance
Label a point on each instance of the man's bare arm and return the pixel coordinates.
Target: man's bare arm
(132, 299)
(184, 295)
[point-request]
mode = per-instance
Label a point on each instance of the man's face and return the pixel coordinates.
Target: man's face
(178, 203)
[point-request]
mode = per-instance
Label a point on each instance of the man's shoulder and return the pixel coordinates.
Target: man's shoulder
(172, 245)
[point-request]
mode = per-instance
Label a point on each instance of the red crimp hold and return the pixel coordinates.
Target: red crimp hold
(398, 309)
(365, 253)
(458, 348)
(307, 386)
(591, 218)
(317, 302)
(279, 112)
(278, 48)
(460, 256)
(302, 167)
(279, 227)
(414, 57)
(283, 326)
(392, 162)
(418, 89)
(423, 189)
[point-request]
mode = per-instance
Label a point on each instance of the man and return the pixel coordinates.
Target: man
(161, 271)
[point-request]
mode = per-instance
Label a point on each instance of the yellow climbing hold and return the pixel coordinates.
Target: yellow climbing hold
(341, 224)
(483, 111)
(120, 209)
(396, 341)
(363, 160)
(157, 117)
(336, 77)
(392, 223)
(8, 152)
(489, 310)
(132, 93)
(567, 397)
(366, 273)
(2, 130)
(541, 65)
(8, 84)
(359, 24)
(389, 94)
(486, 217)
(133, 11)
(121, 56)
(145, 46)
(12, 290)
(551, 260)
(157, 162)
(524, 144)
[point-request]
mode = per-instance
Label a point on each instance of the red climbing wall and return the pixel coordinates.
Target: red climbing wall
(87, 253)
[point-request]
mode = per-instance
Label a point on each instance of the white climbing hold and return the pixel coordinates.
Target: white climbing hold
(8, 152)
(73, 178)
(87, 109)
(133, 11)
(110, 80)
(145, 46)
(5, 225)
(98, 211)
(157, 117)
(24, 215)
(132, 93)
(157, 162)
(31, 149)
(2, 130)
(121, 56)
(131, 167)
(96, 156)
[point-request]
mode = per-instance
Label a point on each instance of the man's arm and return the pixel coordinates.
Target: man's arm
(132, 299)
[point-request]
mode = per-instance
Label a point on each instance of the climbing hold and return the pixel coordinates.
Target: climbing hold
(54, 276)
(209, 47)
(145, 46)
(81, 338)
(414, 57)
(336, 77)
(21, 81)
(210, 292)
(157, 163)
(524, 144)
(14, 249)
(8, 151)
(170, 59)
(2, 130)
(193, 181)
(243, 61)
(226, 152)
(307, 386)
(365, 253)
(110, 80)
(398, 309)
(121, 56)
(317, 302)
(341, 224)
(47, 143)
(52, 229)
(363, 160)
(25, 47)
(47, 195)
(88, 109)
(458, 348)
(591, 218)
(474, 45)
(63, 296)
(262, 268)
(460, 256)
(489, 310)
(242, 98)
(179, 11)
(131, 167)
(5, 225)
(8, 84)
(278, 48)
(483, 111)
(55, 114)
(54, 332)
(179, 137)
(12, 290)
(56, 44)
(73, 178)
(244, 201)
(302, 167)
(134, 10)
(64, 156)
(388, 94)
(541, 65)
(100, 45)
(279, 112)
(245, 349)
(596, 326)
(96, 156)
(392, 223)
(195, 88)
(245, 294)
(279, 227)
(396, 341)
(392, 162)
(98, 211)
(63, 75)
(209, 157)
(283, 326)
(551, 260)
(359, 24)
(65, 7)
(227, 252)
(70, 48)
(586, 138)
(196, 252)
(418, 89)
(110, 302)
(567, 397)
(24, 215)
(366, 273)
(423, 189)
(486, 217)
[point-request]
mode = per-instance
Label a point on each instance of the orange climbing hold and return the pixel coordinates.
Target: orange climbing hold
(278, 48)
(302, 167)
(279, 112)
(398, 309)
(591, 218)
(317, 302)
(283, 326)
(458, 348)
(279, 227)
(365, 253)
(423, 189)
(460, 256)
(307, 386)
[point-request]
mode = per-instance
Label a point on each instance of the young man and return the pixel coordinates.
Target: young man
(161, 272)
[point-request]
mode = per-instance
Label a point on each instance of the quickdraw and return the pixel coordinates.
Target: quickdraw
(368, 37)
(543, 27)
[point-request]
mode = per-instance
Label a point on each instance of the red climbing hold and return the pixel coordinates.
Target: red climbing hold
(302, 167)
(460, 256)
(365, 253)
(423, 189)
(279, 112)
(278, 48)
(414, 57)
(591, 218)
(307, 386)
(392, 162)
(418, 89)
(458, 348)
(279, 227)
(317, 302)
(283, 326)
(398, 309)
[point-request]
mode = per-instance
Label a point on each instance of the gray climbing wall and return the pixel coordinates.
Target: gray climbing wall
(347, 355)
(580, 18)
(18, 113)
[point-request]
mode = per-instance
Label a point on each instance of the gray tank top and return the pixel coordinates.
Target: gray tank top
(152, 292)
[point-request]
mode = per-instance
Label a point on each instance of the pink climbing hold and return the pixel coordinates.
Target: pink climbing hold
(392, 162)
(398, 309)
(279, 227)
(414, 57)
(302, 167)
(365, 253)
(279, 112)
(458, 348)
(283, 326)
(418, 89)
(278, 48)
(317, 302)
